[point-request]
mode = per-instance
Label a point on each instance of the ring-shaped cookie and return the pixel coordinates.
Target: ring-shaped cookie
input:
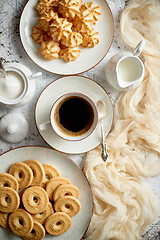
(8, 180)
(41, 217)
(9, 200)
(38, 171)
(53, 183)
(66, 190)
(68, 204)
(37, 233)
(23, 173)
(4, 220)
(20, 222)
(57, 223)
(50, 172)
(35, 200)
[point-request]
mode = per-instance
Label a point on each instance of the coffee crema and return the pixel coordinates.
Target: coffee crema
(74, 116)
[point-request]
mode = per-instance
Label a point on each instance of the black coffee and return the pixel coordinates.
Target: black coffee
(74, 115)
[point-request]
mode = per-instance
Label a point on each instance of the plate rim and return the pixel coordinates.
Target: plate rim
(70, 74)
(52, 149)
(52, 83)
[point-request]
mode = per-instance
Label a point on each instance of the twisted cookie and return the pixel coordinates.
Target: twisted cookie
(59, 27)
(72, 39)
(39, 35)
(50, 49)
(69, 8)
(90, 39)
(69, 54)
(93, 9)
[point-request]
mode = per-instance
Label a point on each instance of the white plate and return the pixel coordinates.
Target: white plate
(89, 56)
(60, 87)
(67, 168)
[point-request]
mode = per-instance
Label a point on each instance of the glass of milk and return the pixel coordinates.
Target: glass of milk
(18, 87)
(125, 70)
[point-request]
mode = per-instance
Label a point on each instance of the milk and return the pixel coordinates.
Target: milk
(12, 86)
(129, 69)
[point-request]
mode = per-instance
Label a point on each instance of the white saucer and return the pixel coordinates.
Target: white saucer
(68, 169)
(86, 61)
(66, 85)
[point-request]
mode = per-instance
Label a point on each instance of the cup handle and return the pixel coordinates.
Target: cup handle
(137, 51)
(44, 126)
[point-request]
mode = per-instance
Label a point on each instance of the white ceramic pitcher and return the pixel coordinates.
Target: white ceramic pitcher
(28, 85)
(125, 70)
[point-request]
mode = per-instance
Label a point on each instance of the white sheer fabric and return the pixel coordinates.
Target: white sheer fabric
(123, 206)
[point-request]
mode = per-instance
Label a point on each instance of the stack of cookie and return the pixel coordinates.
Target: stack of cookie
(63, 26)
(46, 201)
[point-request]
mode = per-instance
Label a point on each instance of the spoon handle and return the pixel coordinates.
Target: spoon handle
(2, 70)
(104, 151)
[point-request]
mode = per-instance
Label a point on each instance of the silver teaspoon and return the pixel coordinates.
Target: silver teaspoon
(102, 113)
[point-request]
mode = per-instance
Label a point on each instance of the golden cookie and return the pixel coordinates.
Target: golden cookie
(59, 27)
(67, 204)
(37, 233)
(41, 217)
(90, 39)
(39, 35)
(43, 24)
(72, 39)
(46, 5)
(49, 16)
(53, 183)
(38, 171)
(20, 222)
(50, 172)
(4, 219)
(9, 199)
(66, 190)
(57, 223)
(70, 8)
(93, 8)
(7, 180)
(35, 200)
(22, 173)
(84, 21)
(50, 49)
(69, 54)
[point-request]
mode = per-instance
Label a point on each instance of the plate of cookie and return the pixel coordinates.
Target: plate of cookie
(43, 195)
(66, 37)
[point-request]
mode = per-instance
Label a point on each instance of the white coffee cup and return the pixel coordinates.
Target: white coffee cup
(73, 116)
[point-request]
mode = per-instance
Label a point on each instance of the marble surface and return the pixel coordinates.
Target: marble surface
(11, 50)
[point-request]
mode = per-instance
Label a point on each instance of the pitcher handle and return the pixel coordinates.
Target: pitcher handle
(35, 75)
(44, 126)
(137, 51)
